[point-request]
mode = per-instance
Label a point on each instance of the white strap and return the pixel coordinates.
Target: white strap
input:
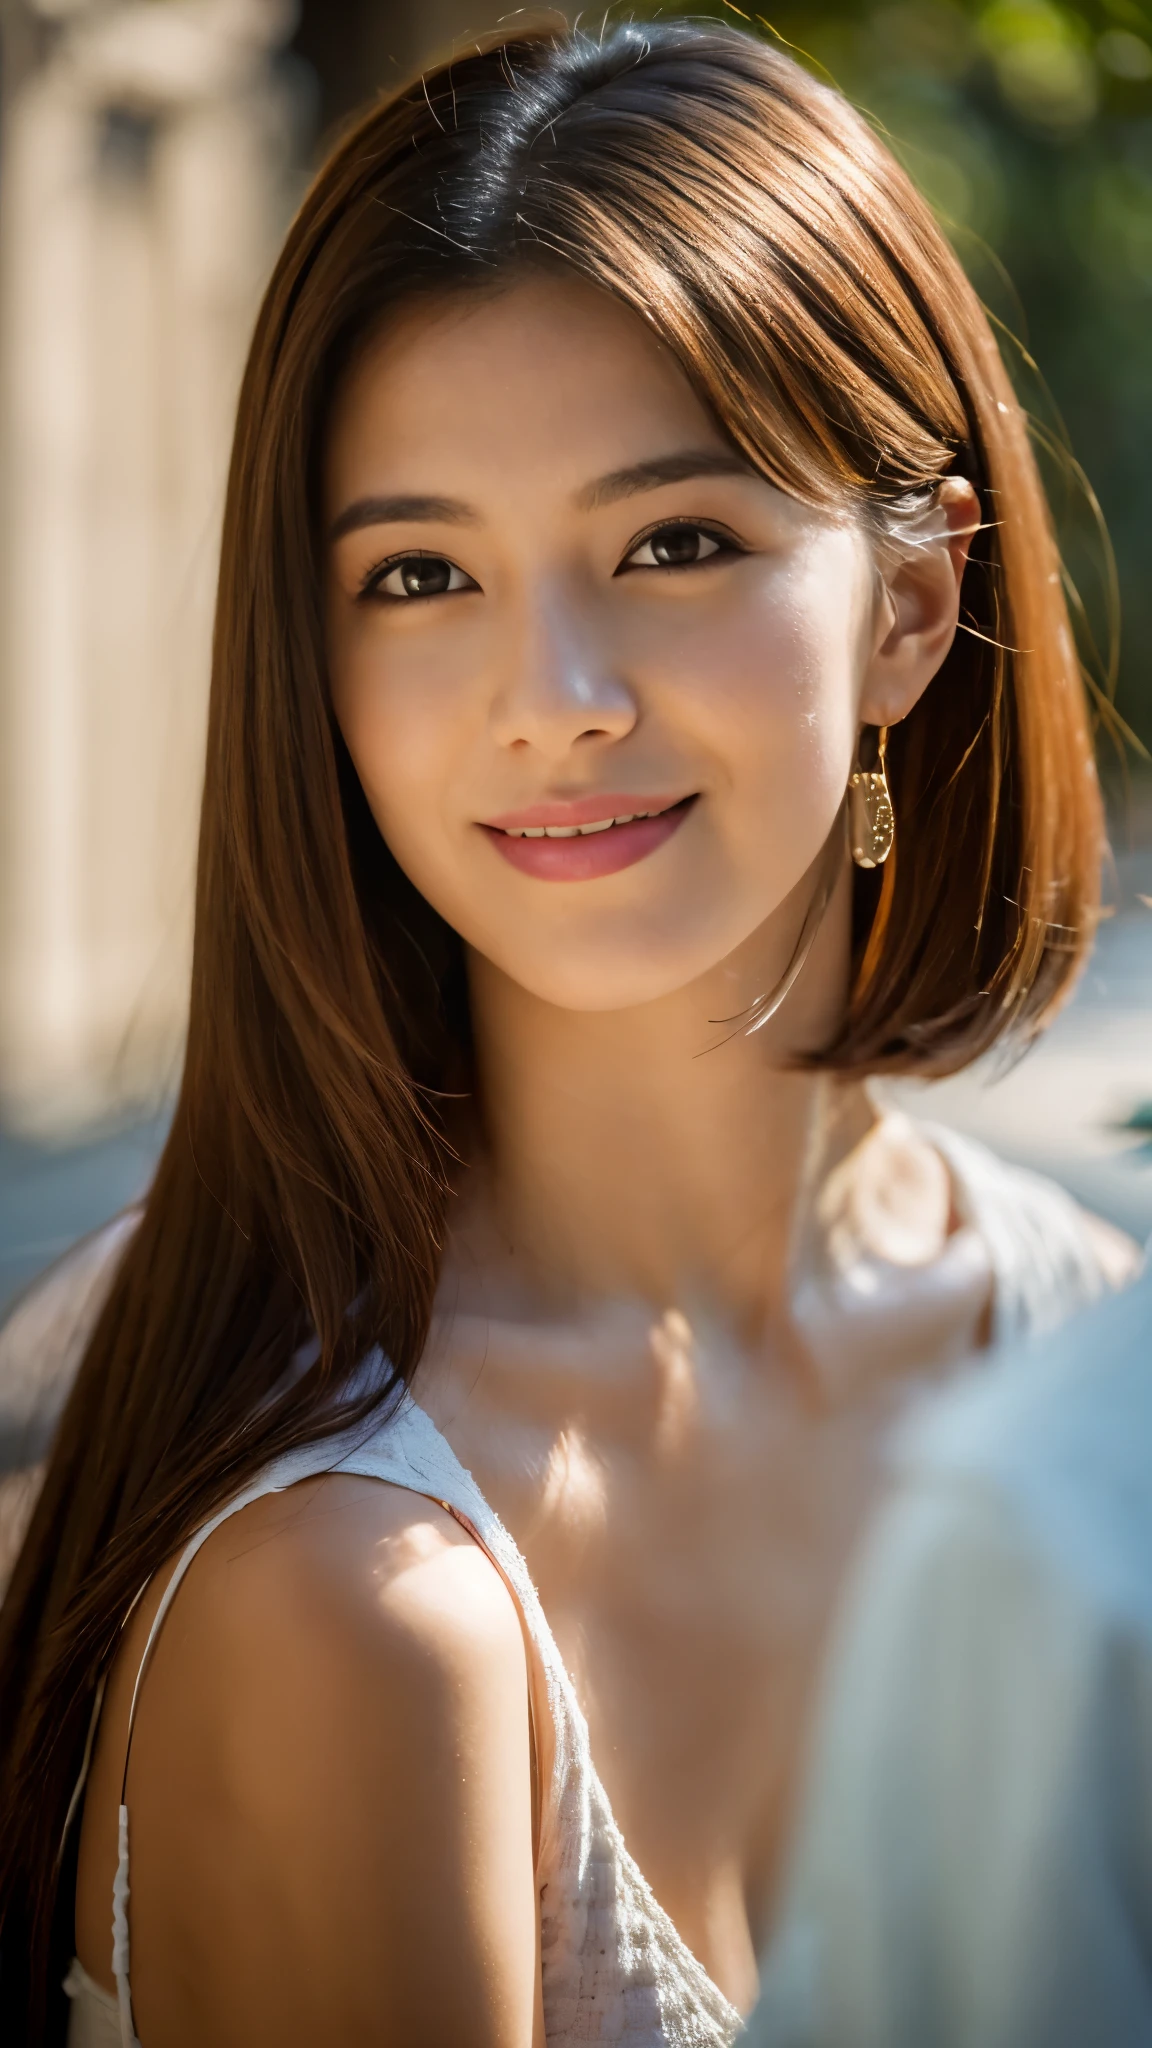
(120, 1888)
(120, 1937)
(187, 1555)
(82, 1780)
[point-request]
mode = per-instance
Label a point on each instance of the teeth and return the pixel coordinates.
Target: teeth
(575, 831)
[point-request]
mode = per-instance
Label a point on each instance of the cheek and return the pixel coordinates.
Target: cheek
(769, 687)
(750, 695)
(405, 722)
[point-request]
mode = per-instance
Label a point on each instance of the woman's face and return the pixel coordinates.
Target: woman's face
(600, 681)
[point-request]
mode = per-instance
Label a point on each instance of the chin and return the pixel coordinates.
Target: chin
(596, 978)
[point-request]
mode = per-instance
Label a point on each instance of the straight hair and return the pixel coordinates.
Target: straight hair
(762, 231)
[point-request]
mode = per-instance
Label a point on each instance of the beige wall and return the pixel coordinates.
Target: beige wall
(141, 195)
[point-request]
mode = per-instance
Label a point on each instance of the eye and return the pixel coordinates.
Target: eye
(678, 546)
(409, 576)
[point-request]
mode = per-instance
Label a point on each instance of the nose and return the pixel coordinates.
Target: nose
(558, 687)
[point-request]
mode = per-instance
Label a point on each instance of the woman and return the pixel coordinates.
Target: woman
(616, 432)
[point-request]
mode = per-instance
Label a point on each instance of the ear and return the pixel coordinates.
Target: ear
(919, 605)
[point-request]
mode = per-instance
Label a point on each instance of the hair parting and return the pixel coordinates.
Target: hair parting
(762, 231)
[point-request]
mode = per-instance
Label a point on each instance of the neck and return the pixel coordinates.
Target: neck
(654, 1152)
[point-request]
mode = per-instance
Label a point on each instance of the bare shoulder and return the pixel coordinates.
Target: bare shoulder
(376, 1571)
(330, 1788)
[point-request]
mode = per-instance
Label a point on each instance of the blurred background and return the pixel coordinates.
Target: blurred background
(151, 153)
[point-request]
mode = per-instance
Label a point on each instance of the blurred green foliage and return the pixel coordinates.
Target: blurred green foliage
(1028, 124)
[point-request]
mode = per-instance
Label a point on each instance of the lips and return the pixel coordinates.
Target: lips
(588, 837)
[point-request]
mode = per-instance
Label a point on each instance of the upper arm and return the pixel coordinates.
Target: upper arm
(330, 1793)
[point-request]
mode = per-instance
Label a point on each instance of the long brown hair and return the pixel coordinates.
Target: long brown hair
(756, 223)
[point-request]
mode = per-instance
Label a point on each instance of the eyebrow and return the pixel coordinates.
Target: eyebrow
(405, 509)
(415, 508)
(664, 469)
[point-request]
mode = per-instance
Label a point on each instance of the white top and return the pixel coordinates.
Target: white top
(974, 1867)
(613, 1965)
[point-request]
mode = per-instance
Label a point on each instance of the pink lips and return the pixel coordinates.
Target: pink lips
(582, 858)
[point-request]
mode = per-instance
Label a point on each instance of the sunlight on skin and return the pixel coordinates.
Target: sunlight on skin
(573, 1491)
(554, 665)
(674, 1350)
(556, 599)
(564, 666)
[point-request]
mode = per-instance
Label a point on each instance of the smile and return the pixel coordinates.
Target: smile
(569, 843)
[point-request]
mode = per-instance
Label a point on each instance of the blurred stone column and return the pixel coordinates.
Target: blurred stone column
(143, 169)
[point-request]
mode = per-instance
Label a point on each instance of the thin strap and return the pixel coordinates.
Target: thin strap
(471, 1530)
(90, 1741)
(120, 1887)
(85, 1766)
(189, 1552)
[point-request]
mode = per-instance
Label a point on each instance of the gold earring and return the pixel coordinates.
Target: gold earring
(871, 819)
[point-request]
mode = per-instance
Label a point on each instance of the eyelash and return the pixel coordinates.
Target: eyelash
(726, 544)
(370, 586)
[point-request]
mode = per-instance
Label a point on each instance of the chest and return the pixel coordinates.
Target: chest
(685, 1513)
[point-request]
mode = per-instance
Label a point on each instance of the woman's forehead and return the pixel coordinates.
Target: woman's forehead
(549, 375)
